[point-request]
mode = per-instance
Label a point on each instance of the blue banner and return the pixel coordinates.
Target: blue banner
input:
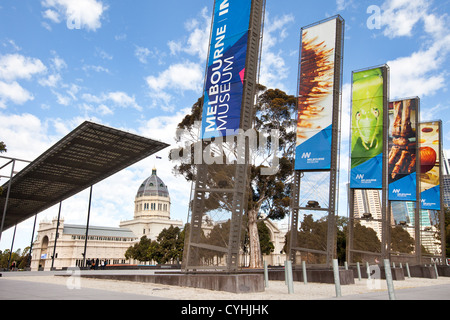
(314, 154)
(403, 189)
(431, 199)
(224, 84)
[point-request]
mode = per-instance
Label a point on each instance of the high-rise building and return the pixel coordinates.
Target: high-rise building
(446, 183)
(446, 189)
(367, 201)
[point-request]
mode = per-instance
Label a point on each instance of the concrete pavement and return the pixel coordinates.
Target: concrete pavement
(23, 290)
(11, 289)
(438, 292)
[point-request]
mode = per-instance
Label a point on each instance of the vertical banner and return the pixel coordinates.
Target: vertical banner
(369, 91)
(319, 68)
(224, 83)
(403, 146)
(430, 151)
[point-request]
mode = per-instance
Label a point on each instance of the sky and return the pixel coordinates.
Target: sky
(139, 66)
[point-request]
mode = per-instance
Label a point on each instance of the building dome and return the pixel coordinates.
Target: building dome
(153, 186)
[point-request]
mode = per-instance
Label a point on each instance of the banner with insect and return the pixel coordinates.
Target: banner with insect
(369, 104)
(319, 87)
(430, 150)
(403, 141)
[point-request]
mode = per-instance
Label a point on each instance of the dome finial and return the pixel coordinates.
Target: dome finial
(154, 171)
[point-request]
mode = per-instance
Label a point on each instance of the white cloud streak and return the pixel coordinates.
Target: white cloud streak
(273, 67)
(421, 73)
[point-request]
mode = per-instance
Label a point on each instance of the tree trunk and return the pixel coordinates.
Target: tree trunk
(255, 248)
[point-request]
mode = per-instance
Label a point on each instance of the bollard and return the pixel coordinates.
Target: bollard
(266, 275)
(390, 283)
(290, 279)
(358, 268)
(407, 270)
(368, 270)
(285, 272)
(305, 279)
(436, 270)
(337, 281)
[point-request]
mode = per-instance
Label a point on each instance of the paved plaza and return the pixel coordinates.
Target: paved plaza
(52, 286)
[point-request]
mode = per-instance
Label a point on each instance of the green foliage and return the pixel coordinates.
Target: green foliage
(269, 194)
(267, 246)
(401, 240)
(2, 147)
(167, 248)
(20, 257)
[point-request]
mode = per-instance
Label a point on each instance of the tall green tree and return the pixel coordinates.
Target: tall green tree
(167, 247)
(139, 251)
(269, 194)
(21, 257)
(401, 240)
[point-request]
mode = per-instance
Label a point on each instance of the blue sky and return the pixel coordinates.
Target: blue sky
(139, 66)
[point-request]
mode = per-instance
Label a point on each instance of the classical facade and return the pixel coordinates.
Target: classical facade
(151, 216)
(103, 243)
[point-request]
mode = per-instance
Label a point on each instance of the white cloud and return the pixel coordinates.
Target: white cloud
(343, 4)
(87, 68)
(52, 15)
(273, 66)
(419, 74)
(181, 76)
(197, 41)
(16, 66)
(85, 14)
(58, 63)
(25, 135)
(13, 92)
(123, 100)
(51, 81)
(178, 77)
(116, 98)
(104, 110)
(422, 73)
(142, 53)
(399, 17)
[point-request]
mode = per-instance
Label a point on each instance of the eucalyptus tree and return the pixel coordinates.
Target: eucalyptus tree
(271, 161)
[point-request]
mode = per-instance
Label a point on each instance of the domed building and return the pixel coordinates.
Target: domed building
(151, 216)
(151, 209)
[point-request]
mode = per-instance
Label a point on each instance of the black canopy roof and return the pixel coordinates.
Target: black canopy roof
(86, 156)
